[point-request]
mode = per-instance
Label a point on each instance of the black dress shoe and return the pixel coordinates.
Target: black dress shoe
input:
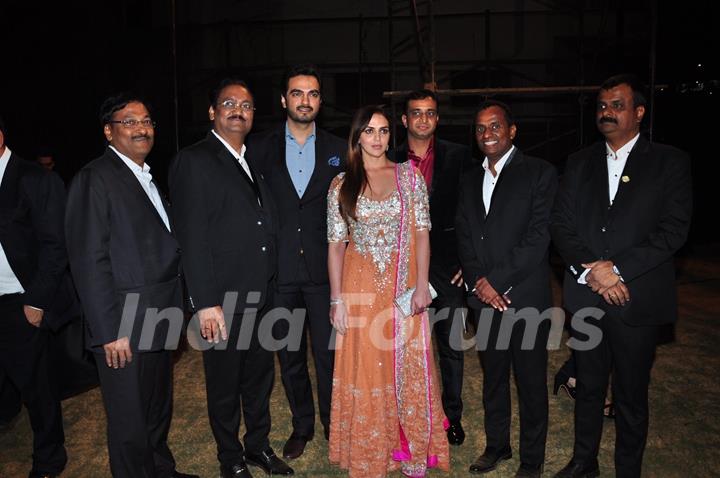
(529, 471)
(238, 470)
(579, 470)
(295, 445)
(269, 462)
(177, 474)
(489, 460)
(455, 433)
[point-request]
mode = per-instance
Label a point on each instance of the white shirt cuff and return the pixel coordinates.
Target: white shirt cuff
(582, 279)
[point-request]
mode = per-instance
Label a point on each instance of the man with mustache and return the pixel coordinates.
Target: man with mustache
(442, 164)
(503, 239)
(32, 262)
(227, 226)
(122, 250)
(299, 160)
(621, 213)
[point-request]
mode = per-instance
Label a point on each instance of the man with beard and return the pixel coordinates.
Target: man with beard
(443, 164)
(622, 212)
(299, 160)
(122, 251)
(32, 261)
(226, 222)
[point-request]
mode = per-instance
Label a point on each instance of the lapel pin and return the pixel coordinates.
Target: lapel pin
(625, 179)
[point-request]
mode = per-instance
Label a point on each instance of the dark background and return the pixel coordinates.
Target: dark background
(58, 60)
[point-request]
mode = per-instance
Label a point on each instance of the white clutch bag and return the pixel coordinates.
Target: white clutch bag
(402, 302)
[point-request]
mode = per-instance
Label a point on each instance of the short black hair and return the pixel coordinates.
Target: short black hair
(118, 101)
(224, 83)
(420, 95)
(2, 125)
(632, 80)
(503, 106)
(298, 70)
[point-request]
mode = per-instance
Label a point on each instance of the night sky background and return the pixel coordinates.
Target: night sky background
(58, 60)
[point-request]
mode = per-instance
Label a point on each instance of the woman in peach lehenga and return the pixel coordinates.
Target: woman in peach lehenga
(386, 411)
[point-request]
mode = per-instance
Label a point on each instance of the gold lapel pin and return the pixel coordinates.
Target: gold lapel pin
(625, 179)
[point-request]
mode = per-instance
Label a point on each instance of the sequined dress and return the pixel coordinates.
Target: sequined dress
(386, 412)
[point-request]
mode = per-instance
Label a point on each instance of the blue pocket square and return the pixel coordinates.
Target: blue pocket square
(334, 161)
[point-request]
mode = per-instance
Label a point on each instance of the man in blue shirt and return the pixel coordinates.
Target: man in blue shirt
(298, 161)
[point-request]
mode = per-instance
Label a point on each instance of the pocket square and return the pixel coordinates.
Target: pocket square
(334, 161)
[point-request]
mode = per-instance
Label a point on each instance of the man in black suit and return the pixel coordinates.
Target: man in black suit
(126, 261)
(623, 210)
(227, 225)
(299, 160)
(503, 238)
(443, 164)
(32, 261)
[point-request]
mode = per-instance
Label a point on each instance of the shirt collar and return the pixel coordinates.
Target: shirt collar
(5, 156)
(431, 148)
(624, 151)
(501, 163)
(289, 135)
(134, 167)
(230, 148)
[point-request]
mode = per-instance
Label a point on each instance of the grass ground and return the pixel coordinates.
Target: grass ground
(684, 423)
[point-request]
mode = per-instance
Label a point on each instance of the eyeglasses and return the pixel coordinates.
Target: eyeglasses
(232, 105)
(133, 123)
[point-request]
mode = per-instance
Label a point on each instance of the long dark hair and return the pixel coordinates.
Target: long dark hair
(355, 177)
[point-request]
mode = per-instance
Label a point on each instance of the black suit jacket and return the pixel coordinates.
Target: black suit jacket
(647, 223)
(228, 238)
(32, 205)
(118, 245)
(509, 246)
(452, 161)
(303, 221)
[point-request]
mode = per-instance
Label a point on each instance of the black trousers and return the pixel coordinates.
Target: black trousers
(10, 401)
(446, 316)
(314, 298)
(239, 381)
(138, 404)
(530, 368)
(628, 353)
(24, 362)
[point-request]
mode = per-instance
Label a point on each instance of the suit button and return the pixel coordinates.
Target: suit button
(482, 238)
(302, 251)
(603, 229)
(299, 229)
(263, 248)
(178, 250)
(259, 223)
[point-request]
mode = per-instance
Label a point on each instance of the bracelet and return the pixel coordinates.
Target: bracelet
(336, 301)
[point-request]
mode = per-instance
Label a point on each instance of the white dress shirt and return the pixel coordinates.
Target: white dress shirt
(240, 157)
(145, 179)
(616, 161)
(9, 283)
(489, 181)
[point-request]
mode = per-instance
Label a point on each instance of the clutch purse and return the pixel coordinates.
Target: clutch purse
(402, 302)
